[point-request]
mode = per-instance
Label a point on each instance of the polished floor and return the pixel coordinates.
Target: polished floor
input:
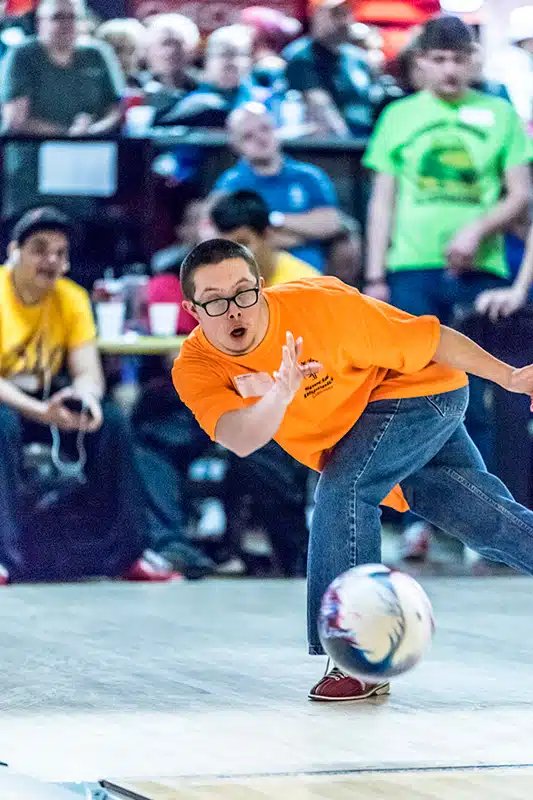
(208, 681)
(499, 784)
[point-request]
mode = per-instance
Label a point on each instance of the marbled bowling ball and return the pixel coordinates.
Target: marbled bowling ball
(375, 622)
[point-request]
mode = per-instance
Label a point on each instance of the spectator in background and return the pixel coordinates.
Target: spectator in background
(406, 79)
(53, 86)
(333, 74)
(243, 217)
(165, 286)
(479, 81)
(226, 80)
(171, 44)
(46, 327)
(370, 40)
(168, 438)
(126, 37)
(514, 67)
(301, 198)
(451, 175)
(272, 30)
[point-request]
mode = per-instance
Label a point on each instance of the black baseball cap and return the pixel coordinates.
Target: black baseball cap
(46, 218)
(446, 33)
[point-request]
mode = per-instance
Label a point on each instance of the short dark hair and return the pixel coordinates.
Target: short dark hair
(212, 251)
(240, 209)
(446, 33)
(46, 218)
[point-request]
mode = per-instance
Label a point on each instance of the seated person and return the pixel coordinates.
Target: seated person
(226, 81)
(171, 43)
(334, 75)
(46, 324)
(126, 37)
(164, 286)
(243, 217)
(301, 197)
(168, 438)
(272, 30)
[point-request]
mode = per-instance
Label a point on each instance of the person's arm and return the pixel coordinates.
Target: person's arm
(462, 250)
(45, 412)
(248, 429)
(457, 350)
(88, 384)
(319, 223)
(112, 89)
(16, 118)
(324, 113)
(504, 302)
(85, 370)
(17, 87)
(379, 224)
(322, 220)
(303, 75)
(282, 239)
(107, 123)
(23, 403)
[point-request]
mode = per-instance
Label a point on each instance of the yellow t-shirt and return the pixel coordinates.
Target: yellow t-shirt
(370, 351)
(35, 339)
(290, 268)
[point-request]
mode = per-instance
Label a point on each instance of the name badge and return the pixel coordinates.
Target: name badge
(483, 117)
(253, 384)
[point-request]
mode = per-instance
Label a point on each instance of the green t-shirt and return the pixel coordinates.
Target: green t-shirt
(449, 160)
(91, 84)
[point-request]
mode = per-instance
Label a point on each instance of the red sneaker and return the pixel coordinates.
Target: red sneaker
(339, 687)
(150, 567)
(4, 576)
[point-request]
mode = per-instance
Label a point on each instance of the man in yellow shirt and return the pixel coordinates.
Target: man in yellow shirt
(46, 328)
(243, 217)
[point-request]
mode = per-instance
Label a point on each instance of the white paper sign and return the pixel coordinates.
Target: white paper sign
(78, 169)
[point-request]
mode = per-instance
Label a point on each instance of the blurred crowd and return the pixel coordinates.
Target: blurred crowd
(446, 234)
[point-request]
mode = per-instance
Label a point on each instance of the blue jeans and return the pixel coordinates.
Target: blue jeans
(438, 292)
(422, 444)
(448, 297)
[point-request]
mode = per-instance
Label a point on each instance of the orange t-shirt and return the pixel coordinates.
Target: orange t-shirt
(370, 351)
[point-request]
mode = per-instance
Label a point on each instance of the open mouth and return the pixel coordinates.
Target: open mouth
(47, 274)
(238, 333)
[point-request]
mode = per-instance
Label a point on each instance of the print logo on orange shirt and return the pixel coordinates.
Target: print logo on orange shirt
(319, 385)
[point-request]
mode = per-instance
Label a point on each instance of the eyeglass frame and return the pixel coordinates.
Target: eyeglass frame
(229, 301)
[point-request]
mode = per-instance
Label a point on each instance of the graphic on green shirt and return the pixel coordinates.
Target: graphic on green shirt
(447, 172)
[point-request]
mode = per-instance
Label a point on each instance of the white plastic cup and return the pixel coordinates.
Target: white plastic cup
(110, 319)
(163, 318)
(139, 120)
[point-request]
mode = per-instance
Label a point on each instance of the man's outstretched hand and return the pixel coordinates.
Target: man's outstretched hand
(291, 373)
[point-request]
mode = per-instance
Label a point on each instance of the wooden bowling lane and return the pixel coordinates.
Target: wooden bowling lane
(514, 783)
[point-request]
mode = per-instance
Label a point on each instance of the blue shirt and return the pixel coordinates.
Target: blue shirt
(297, 188)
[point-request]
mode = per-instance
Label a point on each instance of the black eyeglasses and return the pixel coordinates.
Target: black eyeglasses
(246, 298)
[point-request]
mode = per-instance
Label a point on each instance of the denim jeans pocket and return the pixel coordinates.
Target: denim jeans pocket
(452, 403)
